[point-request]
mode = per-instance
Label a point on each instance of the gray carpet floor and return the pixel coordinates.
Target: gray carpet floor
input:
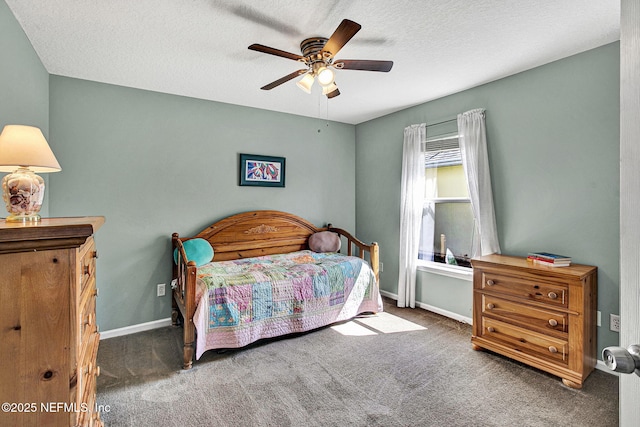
(406, 367)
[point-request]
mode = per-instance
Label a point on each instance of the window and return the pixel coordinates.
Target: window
(447, 219)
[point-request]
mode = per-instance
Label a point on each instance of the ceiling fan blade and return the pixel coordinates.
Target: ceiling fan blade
(333, 94)
(284, 79)
(364, 65)
(345, 31)
(276, 52)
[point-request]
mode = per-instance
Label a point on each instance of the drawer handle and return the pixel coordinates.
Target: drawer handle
(491, 329)
(94, 254)
(552, 349)
(552, 295)
(491, 306)
(490, 282)
(553, 322)
(87, 270)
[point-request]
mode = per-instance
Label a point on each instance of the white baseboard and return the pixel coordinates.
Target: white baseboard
(445, 313)
(161, 323)
(440, 311)
(389, 295)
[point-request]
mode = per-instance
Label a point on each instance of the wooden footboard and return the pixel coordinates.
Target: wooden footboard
(245, 235)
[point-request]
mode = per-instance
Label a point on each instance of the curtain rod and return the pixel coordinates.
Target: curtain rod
(445, 121)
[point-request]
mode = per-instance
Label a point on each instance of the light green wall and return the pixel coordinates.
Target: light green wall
(553, 141)
(154, 164)
(24, 84)
(445, 293)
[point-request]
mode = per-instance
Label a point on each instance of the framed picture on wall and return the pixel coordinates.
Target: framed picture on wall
(261, 171)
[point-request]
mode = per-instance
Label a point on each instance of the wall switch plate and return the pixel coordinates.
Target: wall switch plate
(614, 322)
(161, 289)
(599, 318)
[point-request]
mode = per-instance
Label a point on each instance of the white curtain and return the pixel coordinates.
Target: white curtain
(475, 160)
(411, 201)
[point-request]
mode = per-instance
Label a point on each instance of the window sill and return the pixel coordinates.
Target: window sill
(457, 272)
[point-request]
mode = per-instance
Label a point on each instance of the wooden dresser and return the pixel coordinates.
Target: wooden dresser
(48, 332)
(542, 316)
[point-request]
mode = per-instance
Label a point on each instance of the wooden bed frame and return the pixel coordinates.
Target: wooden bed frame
(246, 235)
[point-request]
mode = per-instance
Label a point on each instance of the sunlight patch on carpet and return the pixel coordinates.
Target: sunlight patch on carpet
(353, 329)
(384, 323)
(387, 323)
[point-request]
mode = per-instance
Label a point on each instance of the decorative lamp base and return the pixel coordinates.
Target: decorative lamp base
(23, 193)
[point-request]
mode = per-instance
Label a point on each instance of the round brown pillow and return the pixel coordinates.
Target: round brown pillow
(324, 241)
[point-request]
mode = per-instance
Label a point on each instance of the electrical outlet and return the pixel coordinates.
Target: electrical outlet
(161, 287)
(614, 322)
(599, 318)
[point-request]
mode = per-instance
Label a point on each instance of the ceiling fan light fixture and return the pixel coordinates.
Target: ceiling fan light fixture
(306, 82)
(325, 76)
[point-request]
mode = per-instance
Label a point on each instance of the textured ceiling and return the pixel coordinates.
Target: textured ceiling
(198, 48)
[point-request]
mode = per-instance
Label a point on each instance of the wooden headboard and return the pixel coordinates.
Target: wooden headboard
(257, 233)
(269, 232)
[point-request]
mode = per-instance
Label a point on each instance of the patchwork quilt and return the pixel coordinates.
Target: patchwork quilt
(244, 300)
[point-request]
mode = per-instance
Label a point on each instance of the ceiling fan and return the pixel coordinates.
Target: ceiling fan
(318, 55)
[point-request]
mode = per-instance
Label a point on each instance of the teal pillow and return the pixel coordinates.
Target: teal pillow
(198, 250)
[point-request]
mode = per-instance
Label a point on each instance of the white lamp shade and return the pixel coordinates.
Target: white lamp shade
(306, 82)
(325, 76)
(26, 146)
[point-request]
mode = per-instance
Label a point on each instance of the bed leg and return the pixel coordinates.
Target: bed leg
(188, 356)
(189, 343)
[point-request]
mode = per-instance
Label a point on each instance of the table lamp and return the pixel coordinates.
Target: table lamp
(23, 151)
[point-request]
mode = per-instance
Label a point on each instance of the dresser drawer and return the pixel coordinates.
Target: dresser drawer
(541, 320)
(87, 373)
(526, 341)
(89, 415)
(88, 325)
(547, 292)
(88, 257)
